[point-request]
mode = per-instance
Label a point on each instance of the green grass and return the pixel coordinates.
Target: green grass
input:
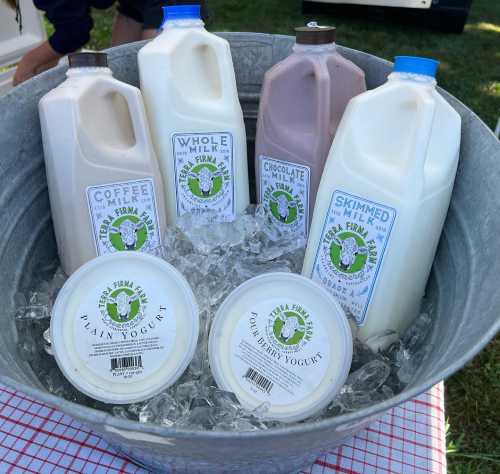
(470, 70)
(473, 411)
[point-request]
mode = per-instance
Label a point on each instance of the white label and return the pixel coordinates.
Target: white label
(204, 174)
(351, 250)
(125, 330)
(284, 192)
(124, 216)
(279, 352)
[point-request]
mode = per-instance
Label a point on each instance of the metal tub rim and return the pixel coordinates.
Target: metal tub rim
(357, 418)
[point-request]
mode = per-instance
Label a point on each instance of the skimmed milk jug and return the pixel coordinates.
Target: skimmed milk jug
(189, 88)
(383, 199)
(303, 99)
(105, 186)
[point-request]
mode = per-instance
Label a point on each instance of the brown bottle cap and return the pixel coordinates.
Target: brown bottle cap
(88, 60)
(315, 34)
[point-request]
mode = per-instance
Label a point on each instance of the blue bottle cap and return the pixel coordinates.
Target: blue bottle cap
(181, 12)
(416, 65)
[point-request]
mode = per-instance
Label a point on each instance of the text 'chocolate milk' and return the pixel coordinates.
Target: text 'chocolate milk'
(303, 99)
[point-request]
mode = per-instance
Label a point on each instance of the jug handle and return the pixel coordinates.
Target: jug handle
(420, 140)
(139, 118)
(324, 106)
(137, 112)
(227, 84)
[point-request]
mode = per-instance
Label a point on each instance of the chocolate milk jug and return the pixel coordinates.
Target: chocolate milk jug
(303, 99)
(105, 187)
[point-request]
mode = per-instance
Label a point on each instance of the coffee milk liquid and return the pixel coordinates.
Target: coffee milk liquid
(105, 187)
(302, 101)
(383, 199)
(189, 88)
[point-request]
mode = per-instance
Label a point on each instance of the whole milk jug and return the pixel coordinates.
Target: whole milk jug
(302, 101)
(383, 199)
(189, 87)
(105, 187)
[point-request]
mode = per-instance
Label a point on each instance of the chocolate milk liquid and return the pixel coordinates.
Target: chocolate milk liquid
(303, 99)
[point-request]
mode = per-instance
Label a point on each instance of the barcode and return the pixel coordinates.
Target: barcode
(133, 362)
(259, 380)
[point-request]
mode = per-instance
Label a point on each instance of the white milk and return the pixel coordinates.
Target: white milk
(189, 88)
(383, 199)
(105, 187)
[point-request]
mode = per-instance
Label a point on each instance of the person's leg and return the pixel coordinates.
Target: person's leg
(149, 33)
(153, 17)
(125, 30)
(128, 22)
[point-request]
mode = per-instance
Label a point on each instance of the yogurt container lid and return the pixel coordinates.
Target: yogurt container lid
(124, 327)
(281, 339)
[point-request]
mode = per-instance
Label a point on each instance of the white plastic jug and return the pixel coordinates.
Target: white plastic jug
(383, 199)
(189, 87)
(105, 187)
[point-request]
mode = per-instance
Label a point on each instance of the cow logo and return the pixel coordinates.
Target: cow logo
(122, 305)
(203, 164)
(348, 252)
(128, 232)
(205, 180)
(283, 207)
(289, 327)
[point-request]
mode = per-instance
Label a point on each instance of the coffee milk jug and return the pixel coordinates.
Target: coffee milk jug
(302, 101)
(105, 187)
(383, 199)
(189, 87)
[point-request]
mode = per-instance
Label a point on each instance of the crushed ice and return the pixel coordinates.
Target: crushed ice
(215, 263)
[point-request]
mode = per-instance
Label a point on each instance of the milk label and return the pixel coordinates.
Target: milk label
(204, 174)
(124, 330)
(280, 352)
(284, 192)
(124, 216)
(351, 249)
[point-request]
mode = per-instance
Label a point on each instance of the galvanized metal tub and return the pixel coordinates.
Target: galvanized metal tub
(463, 286)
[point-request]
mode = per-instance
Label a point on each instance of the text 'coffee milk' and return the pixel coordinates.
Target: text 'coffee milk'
(189, 88)
(303, 99)
(105, 187)
(383, 199)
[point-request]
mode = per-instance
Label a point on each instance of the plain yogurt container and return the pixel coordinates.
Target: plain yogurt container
(283, 340)
(124, 327)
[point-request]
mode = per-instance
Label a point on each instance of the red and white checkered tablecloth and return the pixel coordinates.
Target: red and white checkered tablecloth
(35, 438)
